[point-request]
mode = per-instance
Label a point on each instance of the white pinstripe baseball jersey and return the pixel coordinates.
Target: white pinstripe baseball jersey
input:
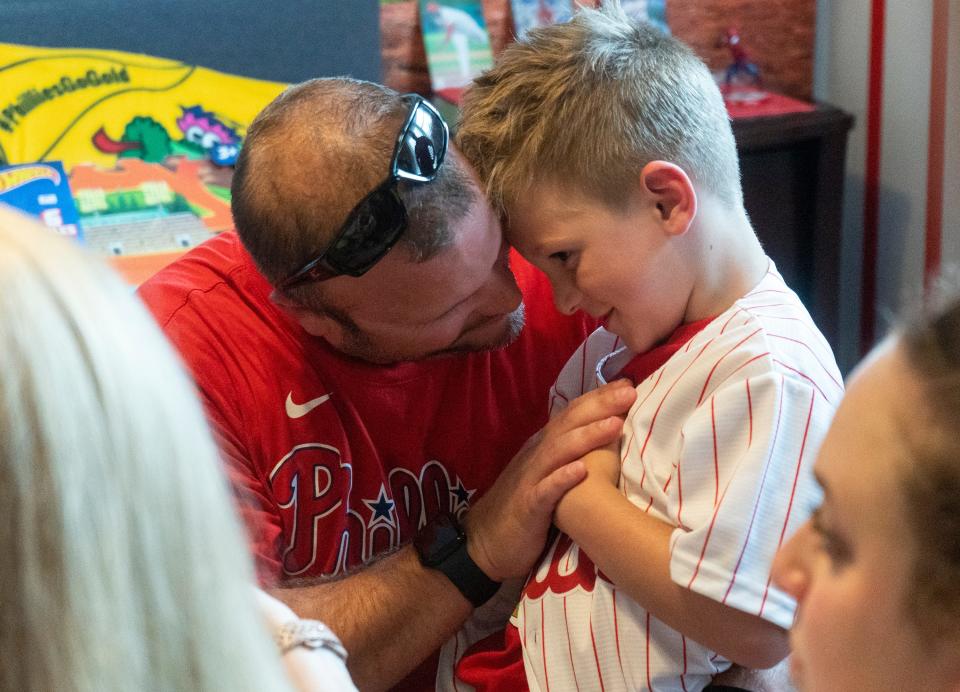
(720, 444)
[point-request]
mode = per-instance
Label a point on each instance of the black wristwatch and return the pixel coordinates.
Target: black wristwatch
(442, 545)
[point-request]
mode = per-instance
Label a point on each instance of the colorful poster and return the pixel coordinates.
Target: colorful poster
(98, 106)
(457, 44)
(148, 143)
(528, 14)
(141, 208)
(41, 190)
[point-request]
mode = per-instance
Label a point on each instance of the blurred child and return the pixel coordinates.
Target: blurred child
(124, 566)
(876, 571)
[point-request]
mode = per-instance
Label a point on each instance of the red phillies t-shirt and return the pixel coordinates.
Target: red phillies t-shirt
(336, 460)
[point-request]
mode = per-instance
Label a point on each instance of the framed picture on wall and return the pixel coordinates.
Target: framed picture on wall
(457, 44)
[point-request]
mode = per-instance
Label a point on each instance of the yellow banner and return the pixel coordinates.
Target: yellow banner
(95, 106)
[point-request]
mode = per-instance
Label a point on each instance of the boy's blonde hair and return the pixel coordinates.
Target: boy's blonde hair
(124, 567)
(587, 104)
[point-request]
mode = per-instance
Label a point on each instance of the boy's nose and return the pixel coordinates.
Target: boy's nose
(566, 298)
(790, 570)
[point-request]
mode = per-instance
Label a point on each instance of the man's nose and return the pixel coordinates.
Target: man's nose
(502, 295)
(790, 570)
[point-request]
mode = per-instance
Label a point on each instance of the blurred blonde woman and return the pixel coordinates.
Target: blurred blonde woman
(876, 572)
(122, 566)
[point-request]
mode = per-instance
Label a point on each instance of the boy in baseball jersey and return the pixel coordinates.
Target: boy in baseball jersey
(607, 147)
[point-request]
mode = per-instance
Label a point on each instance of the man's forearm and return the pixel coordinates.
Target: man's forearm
(390, 616)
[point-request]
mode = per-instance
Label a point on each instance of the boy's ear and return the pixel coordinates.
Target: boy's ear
(312, 322)
(670, 189)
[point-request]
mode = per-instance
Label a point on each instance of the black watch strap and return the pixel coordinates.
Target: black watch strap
(467, 577)
(442, 545)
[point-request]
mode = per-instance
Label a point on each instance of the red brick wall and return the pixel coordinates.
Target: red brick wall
(778, 34)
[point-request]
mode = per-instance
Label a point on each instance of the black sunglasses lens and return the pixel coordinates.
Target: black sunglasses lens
(379, 219)
(423, 145)
(426, 154)
(369, 233)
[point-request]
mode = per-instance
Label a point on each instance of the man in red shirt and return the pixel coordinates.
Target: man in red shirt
(372, 356)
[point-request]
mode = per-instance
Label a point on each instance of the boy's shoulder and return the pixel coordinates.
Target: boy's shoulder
(767, 331)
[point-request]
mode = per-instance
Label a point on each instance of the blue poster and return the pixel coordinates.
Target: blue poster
(41, 190)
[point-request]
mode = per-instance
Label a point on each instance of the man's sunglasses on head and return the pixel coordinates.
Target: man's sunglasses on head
(380, 218)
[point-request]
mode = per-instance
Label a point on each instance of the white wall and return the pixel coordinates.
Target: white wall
(951, 178)
(841, 78)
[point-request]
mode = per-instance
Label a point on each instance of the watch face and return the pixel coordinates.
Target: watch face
(438, 539)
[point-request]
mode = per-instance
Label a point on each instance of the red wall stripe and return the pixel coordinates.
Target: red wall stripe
(871, 193)
(936, 154)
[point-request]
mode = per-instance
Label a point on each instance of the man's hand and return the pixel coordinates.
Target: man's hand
(508, 526)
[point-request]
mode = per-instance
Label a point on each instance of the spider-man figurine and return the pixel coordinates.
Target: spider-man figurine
(741, 65)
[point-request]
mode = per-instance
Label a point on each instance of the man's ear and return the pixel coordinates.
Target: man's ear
(669, 188)
(312, 322)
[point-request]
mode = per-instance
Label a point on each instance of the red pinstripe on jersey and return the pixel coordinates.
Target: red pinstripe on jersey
(726, 324)
(683, 684)
(745, 364)
(753, 294)
(656, 384)
(653, 421)
(826, 370)
(647, 651)
(801, 323)
(706, 541)
(596, 657)
(543, 648)
(625, 449)
(706, 383)
(804, 376)
(772, 305)
(716, 462)
(566, 622)
(555, 398)
(616, 627)
(756, 505)
(679, 477)
(793, 492)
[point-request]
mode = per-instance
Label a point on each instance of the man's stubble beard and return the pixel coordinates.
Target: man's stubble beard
(514, 325)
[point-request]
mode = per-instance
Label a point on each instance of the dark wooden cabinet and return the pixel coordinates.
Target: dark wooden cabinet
(793, 172)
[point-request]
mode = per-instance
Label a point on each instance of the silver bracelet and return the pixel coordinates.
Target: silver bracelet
(310, 634)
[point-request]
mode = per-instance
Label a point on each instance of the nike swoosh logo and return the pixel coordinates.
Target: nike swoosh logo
(300, 410)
